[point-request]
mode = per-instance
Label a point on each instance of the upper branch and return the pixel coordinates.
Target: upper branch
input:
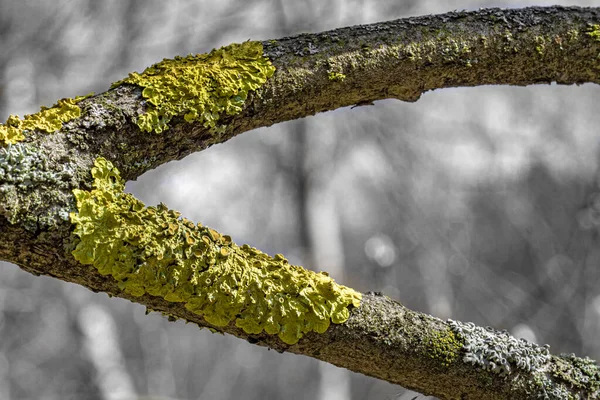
(404, 58)
(323, 71)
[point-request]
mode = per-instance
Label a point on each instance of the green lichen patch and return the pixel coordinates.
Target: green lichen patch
(153, 250)
(579, 373)
(450, 49)
(593, 32)
(573, 35)
(49, 119)
(336, 76)
(201, 87)
(445, 347)
(540, 45)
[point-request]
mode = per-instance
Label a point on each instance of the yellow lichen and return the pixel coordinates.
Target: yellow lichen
(593, 32)
(336, 76)
(201, 87)
(49, 119)
(540, 45)
(444, 347)
(152, 250)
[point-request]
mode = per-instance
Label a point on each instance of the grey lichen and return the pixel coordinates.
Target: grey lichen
(498, 351)
(548, 390)
(29, 185)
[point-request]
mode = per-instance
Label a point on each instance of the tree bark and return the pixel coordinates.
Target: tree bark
(315, 73)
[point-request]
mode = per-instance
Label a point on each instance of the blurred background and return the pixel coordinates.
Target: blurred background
(474, 204)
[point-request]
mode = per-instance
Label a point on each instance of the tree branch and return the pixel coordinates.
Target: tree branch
(314, 73)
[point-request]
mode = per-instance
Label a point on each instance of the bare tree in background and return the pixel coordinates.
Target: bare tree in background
(555, 293)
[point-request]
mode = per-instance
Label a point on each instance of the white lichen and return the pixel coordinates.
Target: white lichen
(498, 351)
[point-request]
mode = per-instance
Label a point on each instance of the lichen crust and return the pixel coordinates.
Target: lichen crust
(25, 175)
(579, 373)
(498, 351)
(201, 87)
(48, 119)
(153, 250)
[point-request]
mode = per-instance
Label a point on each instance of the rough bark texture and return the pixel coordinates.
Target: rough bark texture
(315, 73)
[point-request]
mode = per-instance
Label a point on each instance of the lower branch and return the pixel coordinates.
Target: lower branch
(152, 256)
